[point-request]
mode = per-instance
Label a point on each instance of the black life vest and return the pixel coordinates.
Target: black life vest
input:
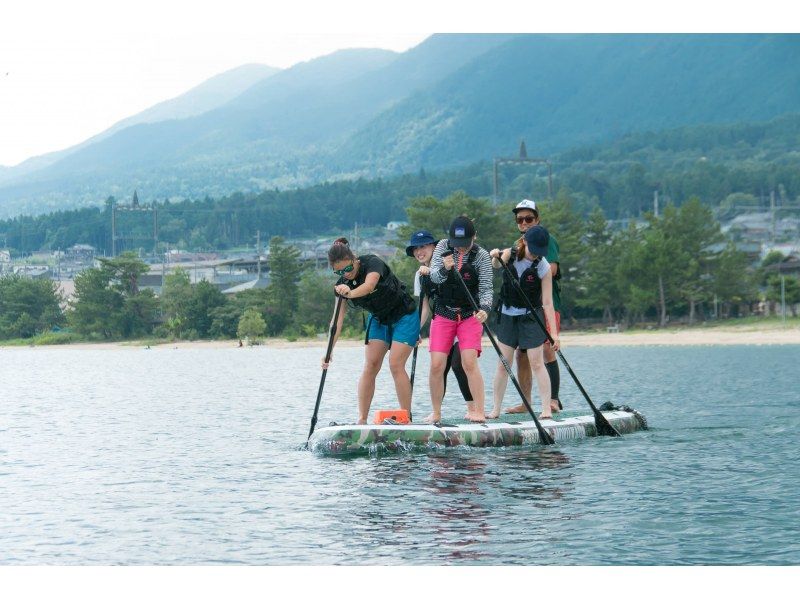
(428, 289)
(451, 292)
(389, 301)
(528, 280)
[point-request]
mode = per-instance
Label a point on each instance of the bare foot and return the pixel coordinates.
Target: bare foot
(493, 415)
(517, 409)
(555, 405)
(362, 421)
(545, 415)
(433, 418)
(478, 418)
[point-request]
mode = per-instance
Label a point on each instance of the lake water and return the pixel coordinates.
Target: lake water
(192, 456)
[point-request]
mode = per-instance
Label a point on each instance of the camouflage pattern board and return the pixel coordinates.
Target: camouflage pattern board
(352, 439)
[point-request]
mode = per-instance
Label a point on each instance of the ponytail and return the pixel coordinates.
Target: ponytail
(340, 250)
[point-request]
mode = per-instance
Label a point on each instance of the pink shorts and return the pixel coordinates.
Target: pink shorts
(444, 331)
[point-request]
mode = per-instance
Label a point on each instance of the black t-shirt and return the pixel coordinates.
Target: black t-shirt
(369, 263)
(389, 301)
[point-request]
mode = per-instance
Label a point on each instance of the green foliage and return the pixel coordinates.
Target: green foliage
(108, 303)
(316, 301)
(286, 270)
(28, 306)
(791, 291)
(251, 325)
(188, 309)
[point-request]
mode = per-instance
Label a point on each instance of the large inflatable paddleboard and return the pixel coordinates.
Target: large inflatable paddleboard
(366, 439)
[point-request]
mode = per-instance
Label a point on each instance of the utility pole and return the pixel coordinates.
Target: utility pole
(655, 203)
(783, 298)
(258, 253)
(772, 213)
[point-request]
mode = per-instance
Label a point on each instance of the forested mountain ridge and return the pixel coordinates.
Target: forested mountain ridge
(746, 163)
(451, 101)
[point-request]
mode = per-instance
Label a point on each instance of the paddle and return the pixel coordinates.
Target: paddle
(331, 336)
(604, 428)
(414, 356)
(544, 436)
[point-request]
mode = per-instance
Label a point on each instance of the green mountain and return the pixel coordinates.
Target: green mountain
(451, 101)
(721, 164)
(558, 93)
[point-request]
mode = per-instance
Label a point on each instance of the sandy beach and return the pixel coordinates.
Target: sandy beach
(767, 334)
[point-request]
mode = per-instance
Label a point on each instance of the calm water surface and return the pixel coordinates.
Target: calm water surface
(191, 456)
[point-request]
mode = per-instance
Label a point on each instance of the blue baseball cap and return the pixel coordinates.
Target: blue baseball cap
(418, 239)
(537, 239)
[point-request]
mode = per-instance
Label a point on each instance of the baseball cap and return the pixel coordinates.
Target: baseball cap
(461, 232)
(537, 238)
(525, 204)
(418, 239)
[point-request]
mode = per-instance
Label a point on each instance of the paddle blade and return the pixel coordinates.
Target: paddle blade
(604, 428)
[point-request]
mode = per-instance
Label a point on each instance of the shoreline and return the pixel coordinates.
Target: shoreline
(714, 336)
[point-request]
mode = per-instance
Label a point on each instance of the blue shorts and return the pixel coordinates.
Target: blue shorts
(405, 330)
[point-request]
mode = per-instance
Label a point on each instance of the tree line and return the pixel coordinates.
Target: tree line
(724, 165)
(675, 264)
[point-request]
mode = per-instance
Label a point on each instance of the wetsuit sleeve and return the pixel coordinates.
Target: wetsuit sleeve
(483, 264)
(438, 272)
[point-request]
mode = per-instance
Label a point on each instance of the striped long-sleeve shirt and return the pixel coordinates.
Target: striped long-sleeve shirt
(482, 263)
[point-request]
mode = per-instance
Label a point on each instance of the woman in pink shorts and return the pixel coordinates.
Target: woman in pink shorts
(454, 316)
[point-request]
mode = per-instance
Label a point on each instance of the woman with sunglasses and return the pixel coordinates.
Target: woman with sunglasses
(516, 329)
(393, 326)
(527, 215)
(421, 248)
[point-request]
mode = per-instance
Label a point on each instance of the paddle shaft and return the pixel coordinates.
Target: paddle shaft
(545, 437)
(416, 347)
(603, 425)
(331, 336)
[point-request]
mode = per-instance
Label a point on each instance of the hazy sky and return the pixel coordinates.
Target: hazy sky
(71, 69)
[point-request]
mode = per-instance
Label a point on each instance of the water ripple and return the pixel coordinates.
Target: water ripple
(195, 457)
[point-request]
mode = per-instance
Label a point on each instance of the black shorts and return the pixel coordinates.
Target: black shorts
(520, 331)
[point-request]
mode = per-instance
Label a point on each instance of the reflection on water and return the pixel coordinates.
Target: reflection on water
(190, 457)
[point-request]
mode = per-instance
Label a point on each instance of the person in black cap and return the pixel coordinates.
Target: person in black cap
(526, 214)
(516, 328)
(454, 316)
(421, 246)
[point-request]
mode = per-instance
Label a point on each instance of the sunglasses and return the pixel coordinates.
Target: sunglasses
(344, 270)
(525, 219)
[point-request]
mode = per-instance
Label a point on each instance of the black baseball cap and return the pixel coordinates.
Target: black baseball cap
(461, 232)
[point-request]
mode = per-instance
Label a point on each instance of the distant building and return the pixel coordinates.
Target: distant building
(5, 256)
(395, 224)
(81, 253)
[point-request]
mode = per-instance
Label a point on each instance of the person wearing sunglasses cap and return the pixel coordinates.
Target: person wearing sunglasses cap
(516, 329)
(420, 247)
(454, 316)
(393, 326)
(526, 214)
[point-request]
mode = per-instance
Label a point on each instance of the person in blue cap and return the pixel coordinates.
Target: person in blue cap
(420, 247)
(516, 329)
